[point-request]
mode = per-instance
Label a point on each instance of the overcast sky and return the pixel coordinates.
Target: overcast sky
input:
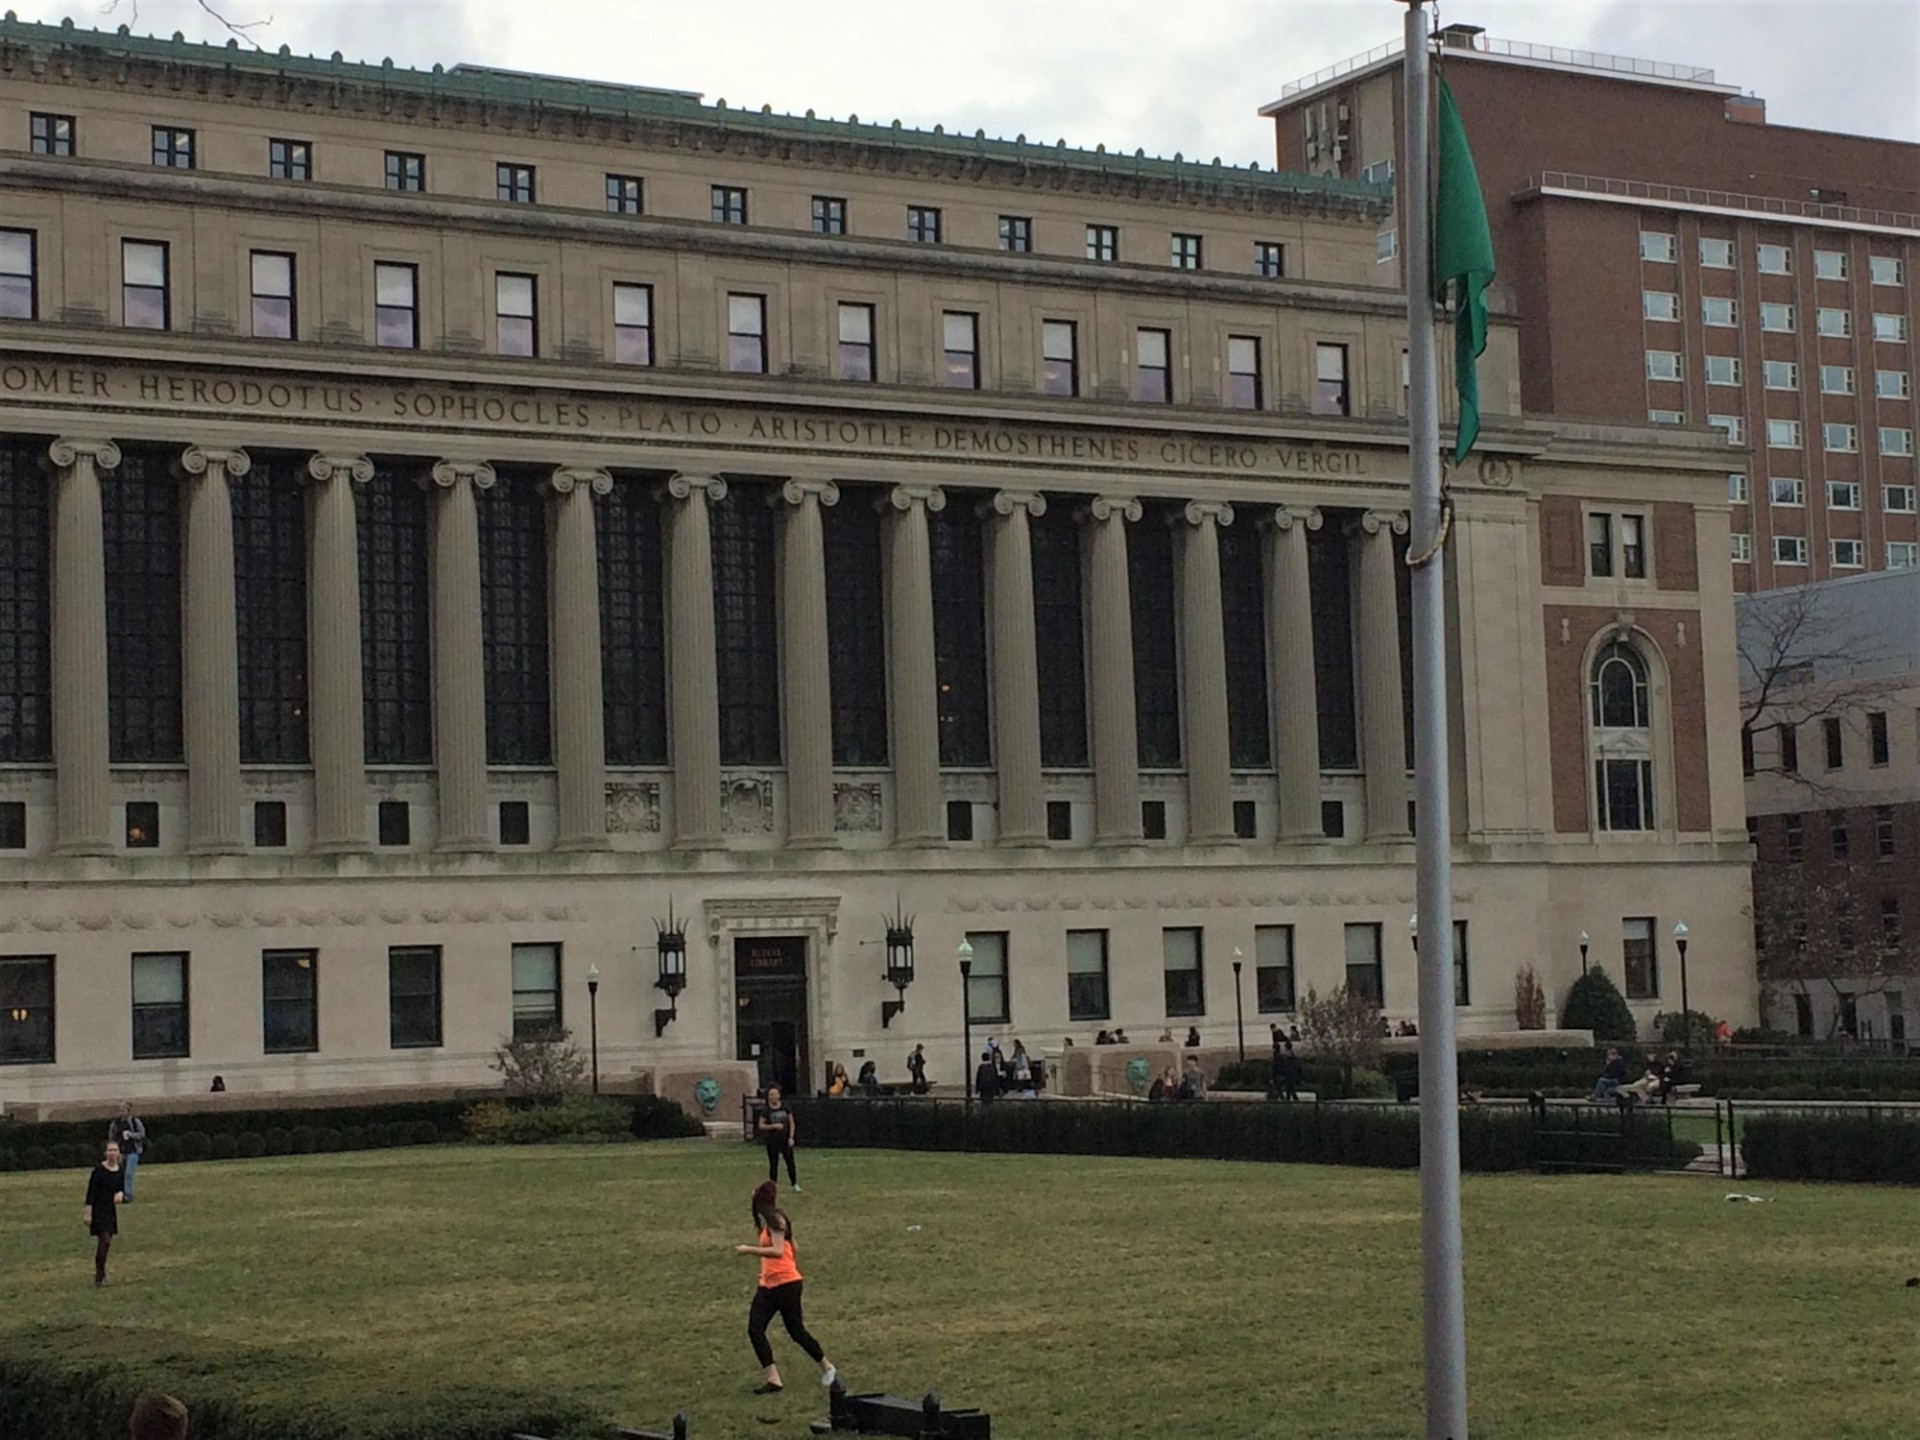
(1185, 77)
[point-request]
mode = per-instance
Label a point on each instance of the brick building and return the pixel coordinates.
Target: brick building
(1675, 258)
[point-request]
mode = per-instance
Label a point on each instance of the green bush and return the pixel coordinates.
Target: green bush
(195, 1146)
(305, 1139)
(658, 1119)
(279, 1141)
(1594, 1003)
(326, 1139)
(224, 1147)
(1871, 1145)
(1672, 1027)
(576, 1118)
(249, 1144)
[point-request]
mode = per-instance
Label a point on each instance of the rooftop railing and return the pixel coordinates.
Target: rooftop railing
(1655, 193)
(1517, 50)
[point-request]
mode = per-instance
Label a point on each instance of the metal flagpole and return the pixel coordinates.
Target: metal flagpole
(1444, 1309)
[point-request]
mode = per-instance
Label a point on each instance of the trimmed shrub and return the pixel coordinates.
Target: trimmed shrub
(279, 1141)
(305, 1139)
(1595, 1003)
(577, 1118)
(223, 1147)
(327, 1139)
(195, 1146)
(1870, 1145)
(658, 1119)
(250, 1144)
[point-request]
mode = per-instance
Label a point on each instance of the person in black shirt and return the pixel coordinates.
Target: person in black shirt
(101, 1213)
(774, 1125)
(986, 1080)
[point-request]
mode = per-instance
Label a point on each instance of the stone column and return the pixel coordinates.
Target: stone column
(1116, 722)
(1291, 678)
(1383, 725)
(83, 789)
(336, 701)
(580, 733)
(1016, 670)
(459, 658)
(918, 818)
(693, 668)
(806, 688)
(211, 705)
(1203, 676)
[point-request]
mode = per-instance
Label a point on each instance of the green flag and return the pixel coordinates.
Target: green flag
(1463, 258)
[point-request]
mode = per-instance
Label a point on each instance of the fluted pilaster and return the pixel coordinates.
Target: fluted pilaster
(1016, 670)
(580, 736)
(1293, 684)
(693, 668)
(1383, 725)
(1203, 665)
(459, 656)
(915, 700)
(211, 706)
(336, 707)
(1116, 725)
(83, 790)
(806, 690)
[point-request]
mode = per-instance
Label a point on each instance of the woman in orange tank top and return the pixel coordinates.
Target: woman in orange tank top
(778, 1292)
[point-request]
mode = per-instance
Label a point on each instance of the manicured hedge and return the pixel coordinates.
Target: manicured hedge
(1371, 1135)
(1872, 1145)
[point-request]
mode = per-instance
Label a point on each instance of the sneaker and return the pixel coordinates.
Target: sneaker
(828, 1376)
(794, 1188)
(767, 1387)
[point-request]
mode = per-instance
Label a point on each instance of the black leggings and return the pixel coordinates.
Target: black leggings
(784, 1301)
(102, 1243)
(775, 1149)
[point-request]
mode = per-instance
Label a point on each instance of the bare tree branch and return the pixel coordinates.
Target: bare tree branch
(1818, 929)
(237, 28)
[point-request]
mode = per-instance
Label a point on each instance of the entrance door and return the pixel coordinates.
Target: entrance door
(770, 985)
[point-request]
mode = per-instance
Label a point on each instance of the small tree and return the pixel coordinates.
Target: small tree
(1595, 1003)
(543, 1068)
(1343, 1029)
(1529, 1000)
(1818, 929)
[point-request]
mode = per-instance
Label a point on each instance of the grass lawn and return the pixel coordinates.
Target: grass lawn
(1070, 1297)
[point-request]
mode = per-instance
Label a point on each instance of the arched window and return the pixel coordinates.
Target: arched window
(1621, 712)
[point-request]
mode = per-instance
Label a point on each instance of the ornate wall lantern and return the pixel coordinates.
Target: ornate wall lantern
(671, 943)
(899, 963)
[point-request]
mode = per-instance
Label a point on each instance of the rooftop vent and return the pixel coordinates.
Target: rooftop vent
(1460, 37)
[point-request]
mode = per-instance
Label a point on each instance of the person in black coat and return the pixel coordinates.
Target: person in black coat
(101, 1214)
(986, 1080)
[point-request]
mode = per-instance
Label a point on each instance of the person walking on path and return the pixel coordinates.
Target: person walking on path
(774, 1125)
(917, 1069)
(778, 1292)
(103, 1202)
(129, 1132)
(158, 1417)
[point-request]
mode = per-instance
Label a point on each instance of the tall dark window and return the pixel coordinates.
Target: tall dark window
(625, 194)
(746, 636)
(1087, 992)
(1365, 974)
(160, 1029)
(1243, 607)
(829, 215)
(513, 619)
(26, 1010)
(1059, 358)
(960, 630)
(406, 171)
(146, 301)
(633, 662)
(1269, 259)
(1243, 372)
(172, 147)
(140, 510)
(1182, 959)
(413, 996)
(856, 342)
(516, 314)
(1330, 380)
(270, 581)
(1330, 581)
(1156, 663)
(1153, 383)
(290, 159)
(633, 324)
(856, 630)
(273, 296)
(747, 334)
(51, 134)
(289, 1009)
(960, 341)
(19, 295)
(396, 306)
(395, 626)
(26, 606)
(1059, 637)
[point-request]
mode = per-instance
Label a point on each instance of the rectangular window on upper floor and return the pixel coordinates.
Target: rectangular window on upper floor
(1059, 357)
(516, 314)
(173, 147)
(1848, 554)
(1666, 417)
(1737, 488)
(1600, 545)
(1330, 380)
(1663, 364)
(1890, 329)
(51, 134)
(1776, 318)
(1243, 372)
(856, 343)
(960, 350)
(1892, 384)
(1896, 440)
(1773, 259)
(1716, 254)
(747, 334)
(1834, 323)
(396, 305)
(1016, 233)
(633, 324)
(1886, 270)
(1843, 494)
(1186, 252)
(290, 159)
(1103, 243)
(829, 215)
(1269, 259)
(923, 224)
(728, 204)
(1780, 374)
(1789, 549)
(273, 298)
(1903, 554)
(1836, 380)
(1742, 545)
(19, 293)
(1783, 435)
(1720, 312)
(406, 171)
(1830, 264)
(1633, 547)
(1840, 439)
(513, 183)
(1734, 425)
(145, 302)
(1380, 172)
(1386, 245)
(1659, 305)
(1153, 384)
(1786, 490)
(1657, 246)
(1723, 370)
(626, 195)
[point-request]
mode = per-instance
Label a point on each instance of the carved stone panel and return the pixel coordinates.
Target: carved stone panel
(746, 804)
(856, 806)
(633, 808)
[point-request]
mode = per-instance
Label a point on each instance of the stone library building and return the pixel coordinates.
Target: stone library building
(483, 552)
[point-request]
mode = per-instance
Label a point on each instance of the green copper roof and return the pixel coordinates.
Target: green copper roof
(479, 83)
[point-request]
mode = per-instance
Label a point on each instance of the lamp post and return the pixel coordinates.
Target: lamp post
(1686, 1012)
(1584, 942)
(965, 952)
(1239, 1014)
(593, 1021)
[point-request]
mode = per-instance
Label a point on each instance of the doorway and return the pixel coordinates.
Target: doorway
(770, 989)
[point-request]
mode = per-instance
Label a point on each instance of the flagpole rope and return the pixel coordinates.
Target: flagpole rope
(1414, 562)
